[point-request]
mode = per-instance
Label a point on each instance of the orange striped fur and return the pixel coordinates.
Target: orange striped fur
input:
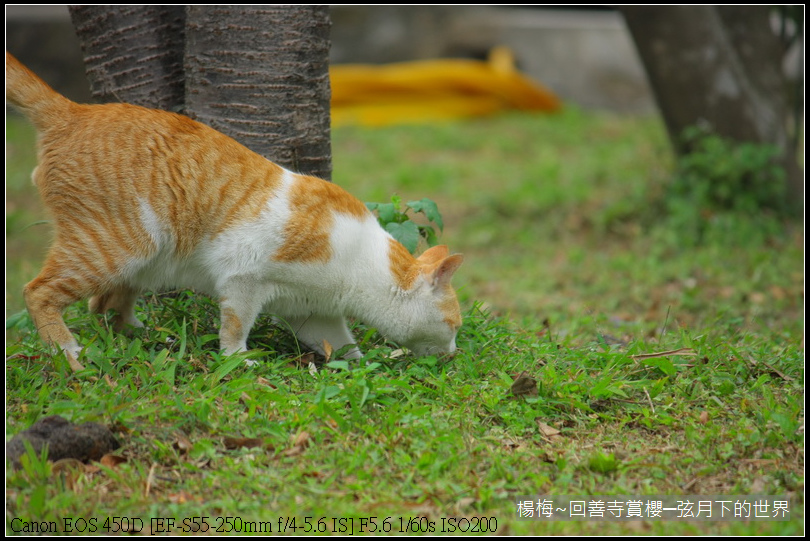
(144, 199)
(307, 231)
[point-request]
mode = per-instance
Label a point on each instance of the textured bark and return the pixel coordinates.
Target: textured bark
(717, 67)
(261, 75)
(133, 54)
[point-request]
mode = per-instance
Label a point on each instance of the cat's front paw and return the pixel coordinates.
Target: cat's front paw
(72, 353)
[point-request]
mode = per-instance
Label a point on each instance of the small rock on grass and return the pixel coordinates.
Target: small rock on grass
(85, 442)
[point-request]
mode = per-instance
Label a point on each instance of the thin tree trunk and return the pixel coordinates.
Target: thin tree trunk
(261, 75)
(133, 54)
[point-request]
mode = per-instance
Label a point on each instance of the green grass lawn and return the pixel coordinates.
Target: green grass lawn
(575, 268)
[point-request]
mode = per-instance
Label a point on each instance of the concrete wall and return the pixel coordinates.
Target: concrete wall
(585, 56)
(42, 38)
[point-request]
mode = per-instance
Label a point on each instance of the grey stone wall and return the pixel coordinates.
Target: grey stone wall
(586, 57)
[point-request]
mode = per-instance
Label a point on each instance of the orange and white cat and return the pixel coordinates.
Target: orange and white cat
(143, 199)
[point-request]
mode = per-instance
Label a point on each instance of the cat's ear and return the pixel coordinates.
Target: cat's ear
(433, 255)
(444, 270)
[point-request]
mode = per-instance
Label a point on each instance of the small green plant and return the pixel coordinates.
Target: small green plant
(603, 463)
(397, 221)
(724, 190)
(720, 174)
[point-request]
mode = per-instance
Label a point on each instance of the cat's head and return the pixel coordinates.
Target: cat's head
(435, 316)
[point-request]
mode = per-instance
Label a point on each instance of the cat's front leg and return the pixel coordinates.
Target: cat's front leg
(238, 312)
(314, 330)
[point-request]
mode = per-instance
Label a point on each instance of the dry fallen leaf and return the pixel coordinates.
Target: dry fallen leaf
(548, 431)
(266, 382)
(198, 365)
(67, 464)
(516, 446)
(425, 508)
(327, 350)
(524, 385)
(304, 360)
(70, 471)
(120, 428)
(300, 442)
(182, 443)
(238, 443)
(294, 451)
(757, 298)
(759, 485)
(302, 438)
(180, 497)
(111, 461)
(315, 474)
(758, 462)
(464, 503)
(704, 417)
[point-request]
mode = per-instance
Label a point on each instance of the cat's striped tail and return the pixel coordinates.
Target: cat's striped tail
(44, 106)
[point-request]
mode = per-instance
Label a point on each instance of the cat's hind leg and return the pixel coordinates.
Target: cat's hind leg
(122, 300)
(46, 296)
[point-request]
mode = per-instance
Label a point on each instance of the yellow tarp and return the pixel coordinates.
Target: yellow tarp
(429, 90)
